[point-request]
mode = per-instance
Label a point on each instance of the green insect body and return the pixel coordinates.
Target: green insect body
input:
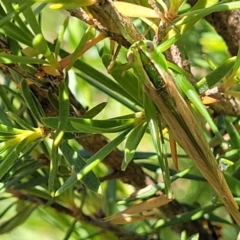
(149, 67)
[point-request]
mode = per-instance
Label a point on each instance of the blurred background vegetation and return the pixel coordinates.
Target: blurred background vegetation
(39, 196)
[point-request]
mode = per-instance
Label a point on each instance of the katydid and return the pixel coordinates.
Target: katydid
(151, 68)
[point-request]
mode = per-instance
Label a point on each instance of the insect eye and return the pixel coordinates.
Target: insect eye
(130, 56)
(149, 46)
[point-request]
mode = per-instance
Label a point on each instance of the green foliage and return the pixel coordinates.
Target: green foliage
(53, 114)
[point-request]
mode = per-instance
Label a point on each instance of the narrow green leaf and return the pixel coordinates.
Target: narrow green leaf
(166, 44)
(233, 183)
(10, 130)
(63, 3)
(14, 153)
(42, 193)
(70, 230)
(150, 191)
(14, 13)
(187, 88)
(53, 100)
(185, 21)
(193, 16)
(86, 125)
(32, 21)
(233, 132)
(63, 112)
(21, 216)
(16, 33)
(20, 121)
(40, 44)
(93, 112)
(127, 81)
(77, 163)
(153, 124)
(8, 161)
(101, 154)
(58, 135)
(10, 59)
(38, 9)
(4, 93)
(22, 173)
(27, 95)
(60, 36)
(152, 119)
(134, 138)
(70, 182)
(102, 126)
(111, 88)
(215, 76)
(77, 51)
(4, 137)
(232, 155)
(52, 122)
(194, 237)
(236, 66)
(110, 197)
(6, 209)
(186, 216)
(53, 170)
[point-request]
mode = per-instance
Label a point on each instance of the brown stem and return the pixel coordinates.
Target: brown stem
(227, 24)
(79, 215)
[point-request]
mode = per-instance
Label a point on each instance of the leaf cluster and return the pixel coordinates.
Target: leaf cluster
(63, 148)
